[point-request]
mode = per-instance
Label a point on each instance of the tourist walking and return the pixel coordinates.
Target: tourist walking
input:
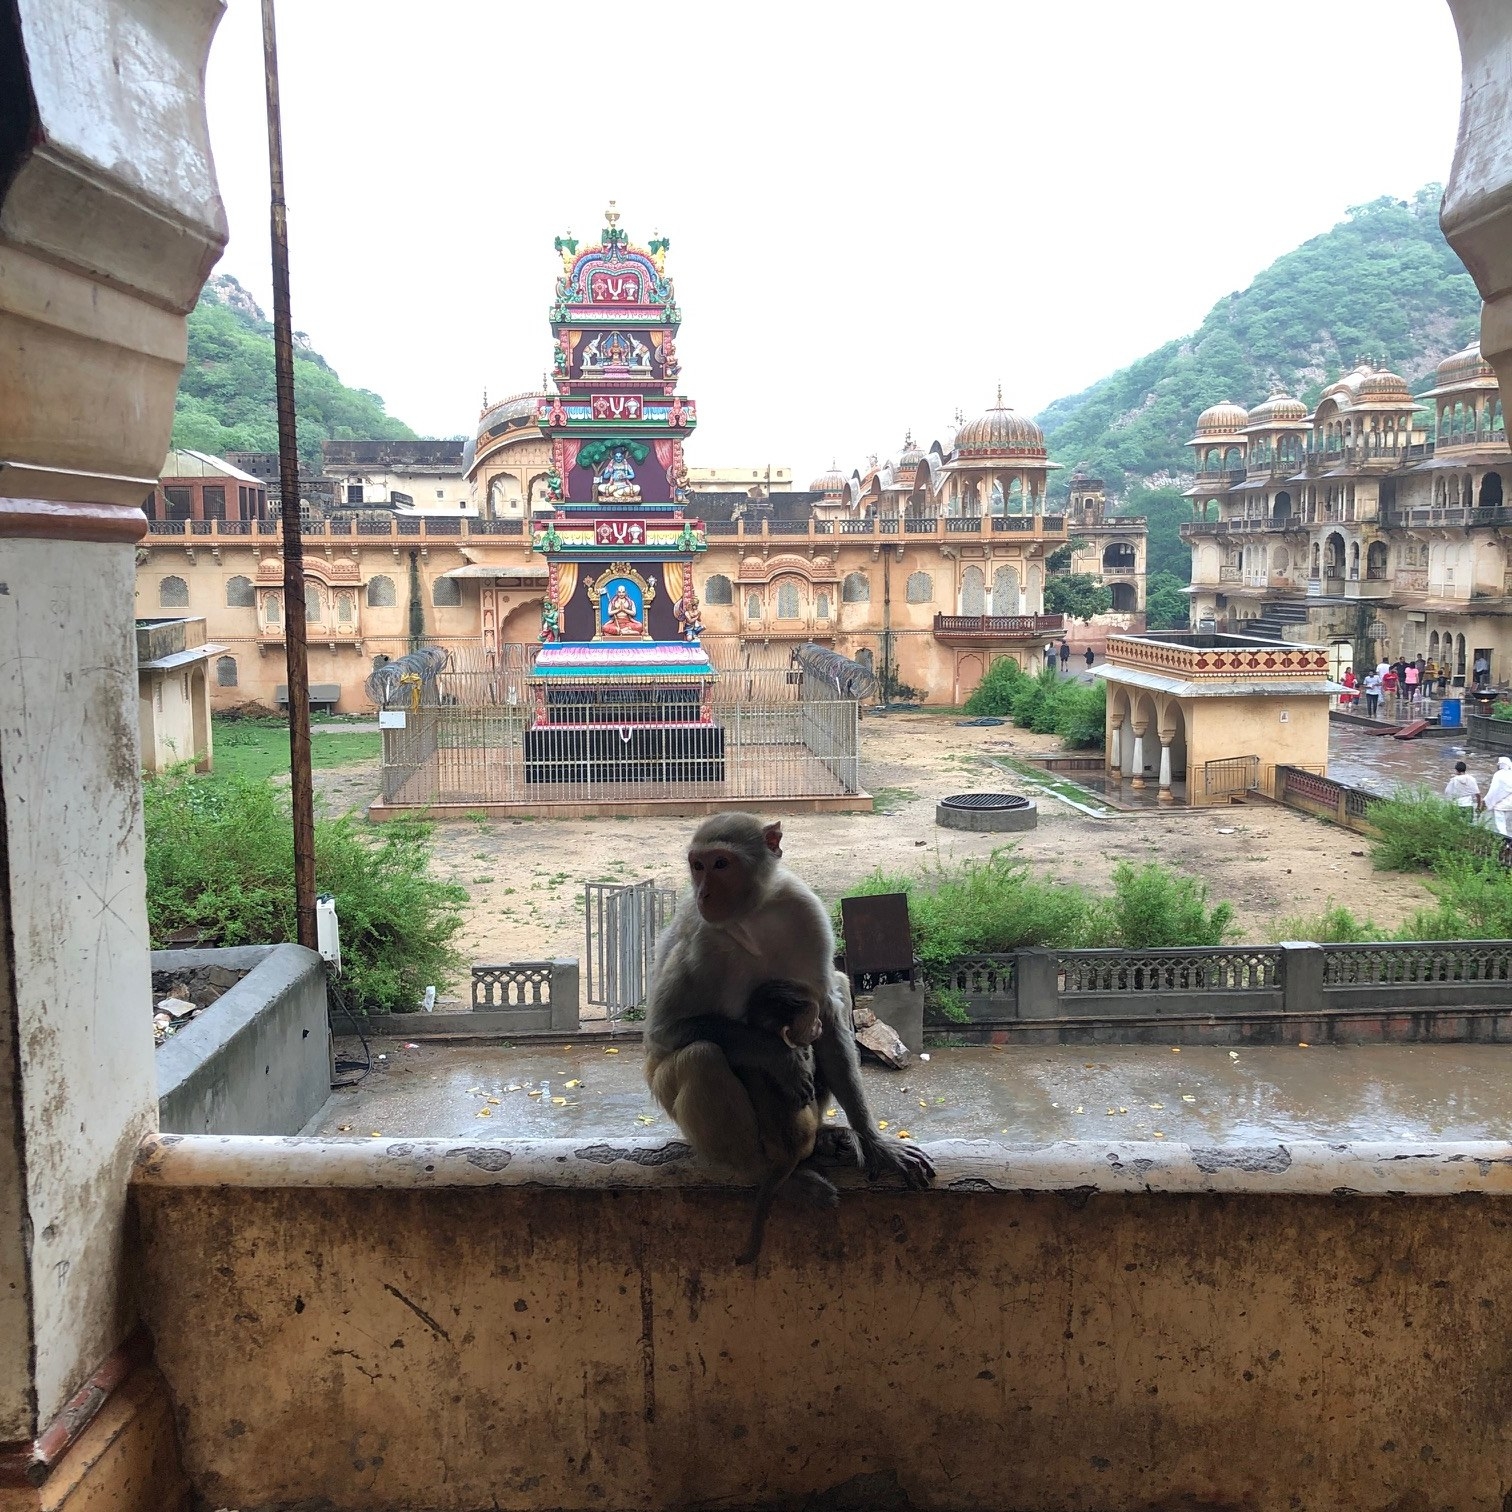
(1090, 658)
(1050, 655)
(1462, 789)
(1499, 796)
(1389, 685)
(1065, 654)
(1372, 693)
(1413, 677)
(1482, 669)
(1443, 677)
(1349, 695)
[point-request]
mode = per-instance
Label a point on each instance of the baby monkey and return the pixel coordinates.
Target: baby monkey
(770, 1053)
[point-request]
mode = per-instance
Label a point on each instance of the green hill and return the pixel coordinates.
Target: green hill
(1381, 284)
(226, 399)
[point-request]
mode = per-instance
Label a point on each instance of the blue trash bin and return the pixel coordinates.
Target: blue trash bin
(1450, 716)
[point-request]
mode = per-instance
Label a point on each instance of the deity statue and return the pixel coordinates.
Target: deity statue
(553, 486)
(551, 619)
(616, 482)
(620, 621)
(640, 354)
(681, 493)
(688, 617)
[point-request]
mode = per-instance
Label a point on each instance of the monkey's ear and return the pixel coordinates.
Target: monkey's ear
(772, 834)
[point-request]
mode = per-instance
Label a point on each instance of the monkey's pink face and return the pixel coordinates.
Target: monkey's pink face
(720, 882)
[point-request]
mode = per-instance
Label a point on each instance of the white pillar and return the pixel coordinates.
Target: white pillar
(1166, 795)
(1139, 756)
(1113, 757)
(1127, 746)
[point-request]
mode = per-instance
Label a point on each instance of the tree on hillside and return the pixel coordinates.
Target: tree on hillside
(227, 400)
(1166, 604)
(1077, 595)
(1166, 509)
(1383, 284)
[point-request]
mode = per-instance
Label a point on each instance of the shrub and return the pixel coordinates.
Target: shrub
(1335, 925)
(1152, 907)
(996, 905)
(220, 860)
(1045, 702)
(1502, 710)
(1081, 713)
(994, 694)
(1416, 829)
(1474, 902)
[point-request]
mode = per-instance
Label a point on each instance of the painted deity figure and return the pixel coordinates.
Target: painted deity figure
(551, 621)
(620, 620)
(616, 483)
(688, 617)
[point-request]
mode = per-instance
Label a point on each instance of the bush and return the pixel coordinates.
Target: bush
(1335, 925)
(996, 905)
(1153, 907)
(1474, 902)
(1416, 829)
(1046, 702)
(220, 861)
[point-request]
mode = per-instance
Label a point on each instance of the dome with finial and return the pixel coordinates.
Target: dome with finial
(1369, 387)
(1000, 433)
(832, 482)
(1464, 369)
(911, 455)
(1279, 409)
(1224, 419)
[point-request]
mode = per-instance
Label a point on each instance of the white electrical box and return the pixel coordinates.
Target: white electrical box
(328, 931)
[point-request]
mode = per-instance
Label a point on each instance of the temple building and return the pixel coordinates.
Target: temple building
(1109, 548)
(1373, 526)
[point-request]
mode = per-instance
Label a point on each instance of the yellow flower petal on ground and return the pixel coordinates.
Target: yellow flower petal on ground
(574, 1084)
(610, 1050)
(558, 1102)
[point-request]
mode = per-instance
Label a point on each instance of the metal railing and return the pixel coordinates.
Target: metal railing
(623, 921)
(999, 626)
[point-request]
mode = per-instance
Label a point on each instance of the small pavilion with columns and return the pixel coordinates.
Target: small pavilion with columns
(1205, 717)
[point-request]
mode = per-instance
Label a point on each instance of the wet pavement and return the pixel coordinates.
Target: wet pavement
(1200, 1094)
(1380, 764)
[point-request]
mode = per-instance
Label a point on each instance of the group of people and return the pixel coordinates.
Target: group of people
(1399, 682)
(1063, 654)
(1464, 790)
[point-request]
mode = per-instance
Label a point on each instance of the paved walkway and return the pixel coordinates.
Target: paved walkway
(1203, 1094)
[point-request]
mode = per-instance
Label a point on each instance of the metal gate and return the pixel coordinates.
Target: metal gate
(1231, 774)
(623, 923)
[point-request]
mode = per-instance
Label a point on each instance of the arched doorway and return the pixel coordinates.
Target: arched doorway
(1491, 491)
(1119, 557)
(1282, 508)
(1125, 599)
(1333, 556)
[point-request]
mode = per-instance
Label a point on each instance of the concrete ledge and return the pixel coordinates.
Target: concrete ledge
(258, 1061)
(1310, 1167)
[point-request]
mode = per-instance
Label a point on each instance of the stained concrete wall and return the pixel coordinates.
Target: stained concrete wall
(395, 1324)
(258, 1061)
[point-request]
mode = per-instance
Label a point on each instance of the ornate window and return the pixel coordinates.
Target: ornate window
(380, 592)
(821, 606)
(856, 589)
(312, 603)
(173, 593)
(973, 592)
(344, 607)
(239, 593)
(919, 588)
(1005, 591)
(753, 606)
(718, 590)
(787, 600)
(225, 672)
(273, 609)
(446, 593)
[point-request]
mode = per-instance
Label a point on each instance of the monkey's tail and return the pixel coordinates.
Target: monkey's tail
(765, 1194)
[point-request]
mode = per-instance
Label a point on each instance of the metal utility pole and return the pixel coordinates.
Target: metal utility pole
(293, 542)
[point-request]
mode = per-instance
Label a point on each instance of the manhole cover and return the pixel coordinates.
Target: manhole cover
(986, 812)
(985, 801)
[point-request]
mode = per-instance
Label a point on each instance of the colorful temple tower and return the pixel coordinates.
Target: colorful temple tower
(622, 687)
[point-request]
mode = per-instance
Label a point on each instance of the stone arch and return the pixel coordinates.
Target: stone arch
(969, 671)
(1125, 599)
(1118, 556)
(718, 589)
(1491, 491)
(380, 592)
(973, 592)
(856, 589)
(1005, 591)
(173, 593)
(240, 594)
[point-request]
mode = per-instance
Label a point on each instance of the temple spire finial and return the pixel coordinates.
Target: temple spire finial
(1000, 395)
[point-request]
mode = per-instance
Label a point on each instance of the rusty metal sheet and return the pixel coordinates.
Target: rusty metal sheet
(877, 936)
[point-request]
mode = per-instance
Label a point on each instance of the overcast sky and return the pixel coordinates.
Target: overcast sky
(877, 212)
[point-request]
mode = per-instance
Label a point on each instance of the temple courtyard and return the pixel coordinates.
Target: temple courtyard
(525, 877)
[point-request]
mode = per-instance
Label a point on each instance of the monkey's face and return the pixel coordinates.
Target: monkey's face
(804, 1028)
(721, 882)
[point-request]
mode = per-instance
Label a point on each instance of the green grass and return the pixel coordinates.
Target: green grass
(888, 800)
(260, 750)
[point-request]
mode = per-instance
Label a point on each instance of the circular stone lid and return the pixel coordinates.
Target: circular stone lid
(984, 801)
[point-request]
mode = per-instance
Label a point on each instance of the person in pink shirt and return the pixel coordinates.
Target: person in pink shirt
(1412, 676)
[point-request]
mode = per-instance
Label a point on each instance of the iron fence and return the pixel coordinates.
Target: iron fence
(1231, 774)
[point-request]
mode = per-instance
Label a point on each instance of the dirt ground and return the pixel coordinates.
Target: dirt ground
(525, 877)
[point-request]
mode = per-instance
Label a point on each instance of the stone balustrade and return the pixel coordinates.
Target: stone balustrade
(1228, 656)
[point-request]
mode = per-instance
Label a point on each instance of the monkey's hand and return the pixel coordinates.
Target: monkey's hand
(891, 1157)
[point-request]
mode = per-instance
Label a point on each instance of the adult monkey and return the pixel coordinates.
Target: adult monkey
(749, 920)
